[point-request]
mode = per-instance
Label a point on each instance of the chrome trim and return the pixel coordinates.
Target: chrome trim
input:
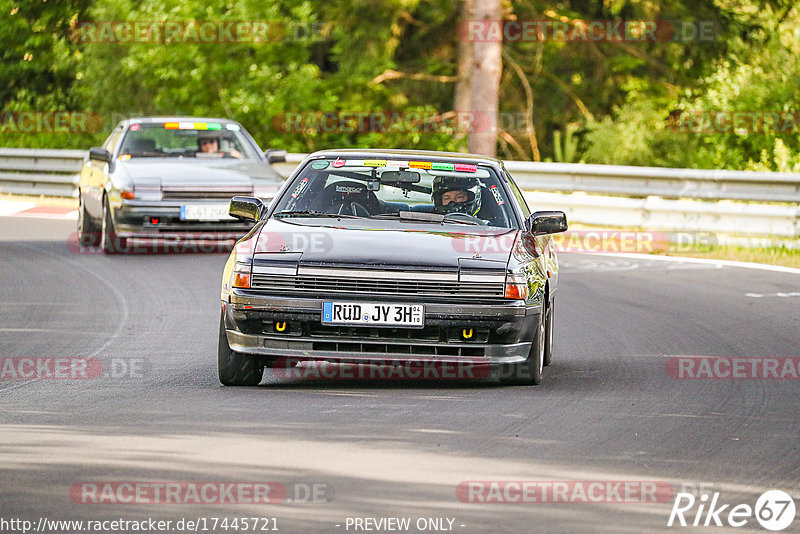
(485, 278)
(281, 270)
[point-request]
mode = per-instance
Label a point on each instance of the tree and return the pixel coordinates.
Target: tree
(485, 81)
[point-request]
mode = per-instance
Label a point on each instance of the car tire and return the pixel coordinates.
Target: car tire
(88, 232)
(110, 243)
(548, 343)
(235, 368)
(529, 372)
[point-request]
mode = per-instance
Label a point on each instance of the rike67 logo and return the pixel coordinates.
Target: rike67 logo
(774, 510)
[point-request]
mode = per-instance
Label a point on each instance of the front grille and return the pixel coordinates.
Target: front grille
(190, 193)
(306, 285)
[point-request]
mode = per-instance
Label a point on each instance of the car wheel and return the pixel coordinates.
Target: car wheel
(529, 372)
(234, 368)
(109, 242)
(88, 232)
(548, 343)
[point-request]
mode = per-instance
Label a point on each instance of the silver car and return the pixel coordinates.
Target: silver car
(171, 178)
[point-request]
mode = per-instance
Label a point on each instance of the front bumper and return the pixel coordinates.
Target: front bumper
(134, 218)
(500, 333)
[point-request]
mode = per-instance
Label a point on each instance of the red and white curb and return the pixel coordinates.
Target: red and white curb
(16, 208)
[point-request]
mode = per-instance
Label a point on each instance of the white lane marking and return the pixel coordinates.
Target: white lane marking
(778, 294)
(121, 323)
(724, 263)
(627, 265)
(12, 207)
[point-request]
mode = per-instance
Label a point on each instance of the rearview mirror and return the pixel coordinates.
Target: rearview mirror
(100, 154)
(246, 208)
(275, 156)
(547, 222)
(400, 177)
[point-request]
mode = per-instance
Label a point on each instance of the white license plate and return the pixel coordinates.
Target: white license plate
(373, 314)
(205, 212)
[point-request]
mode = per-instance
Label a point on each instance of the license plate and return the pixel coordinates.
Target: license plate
(373, 314)
(205, 212)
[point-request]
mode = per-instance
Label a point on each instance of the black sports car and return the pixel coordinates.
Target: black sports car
(393, 256)
(171, 178)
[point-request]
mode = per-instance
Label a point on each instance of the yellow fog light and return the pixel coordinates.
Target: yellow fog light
(467, 333)
(280, 326)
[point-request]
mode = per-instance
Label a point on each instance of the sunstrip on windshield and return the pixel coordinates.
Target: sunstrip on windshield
(192, 126)
(443, 166)
(374, 163)
(427, 165)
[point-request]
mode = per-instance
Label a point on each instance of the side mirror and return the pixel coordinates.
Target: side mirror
(100, 154)
(246, 208)
(547, 222)
(275, 156)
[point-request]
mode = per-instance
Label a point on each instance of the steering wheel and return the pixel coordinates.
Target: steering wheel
(354, 208)
(456, 215)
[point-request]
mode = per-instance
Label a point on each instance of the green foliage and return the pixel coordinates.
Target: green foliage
(596, 101)
(565, 151)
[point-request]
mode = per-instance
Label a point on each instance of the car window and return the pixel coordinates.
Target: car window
(368, 188)
(113, 139)
(201, 140)
(519, 196)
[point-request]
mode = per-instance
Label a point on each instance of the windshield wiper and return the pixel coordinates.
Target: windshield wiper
(423, 216)
(313, 213)
(420, 216)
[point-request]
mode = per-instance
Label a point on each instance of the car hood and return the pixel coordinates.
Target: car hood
(381, 242)
(169, 172)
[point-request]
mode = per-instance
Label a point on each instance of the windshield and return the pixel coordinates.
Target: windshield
(462, 192)
(202, 140)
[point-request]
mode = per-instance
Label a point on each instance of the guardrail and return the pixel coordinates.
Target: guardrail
(651, 197)
(37, 171)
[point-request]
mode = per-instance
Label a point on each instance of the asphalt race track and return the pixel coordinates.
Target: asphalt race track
(608, 409)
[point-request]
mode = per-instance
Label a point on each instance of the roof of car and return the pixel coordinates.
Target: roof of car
(425, 154)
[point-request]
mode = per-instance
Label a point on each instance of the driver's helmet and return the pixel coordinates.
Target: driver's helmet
(471, 186)
(208, 135)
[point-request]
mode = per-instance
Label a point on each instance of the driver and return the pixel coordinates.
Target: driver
(208, 143)
(456, 194)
